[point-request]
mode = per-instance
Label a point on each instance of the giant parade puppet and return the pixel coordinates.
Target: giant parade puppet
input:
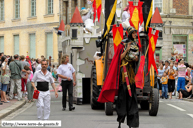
(126, 73)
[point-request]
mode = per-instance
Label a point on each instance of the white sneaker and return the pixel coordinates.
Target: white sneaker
(15, 97)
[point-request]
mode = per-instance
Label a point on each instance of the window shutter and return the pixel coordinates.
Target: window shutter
(49, 45)
(33, 7)
(32, 46)
(16, 44)
(17, 9)
(2, 43)
(2, 10)
(50, 7)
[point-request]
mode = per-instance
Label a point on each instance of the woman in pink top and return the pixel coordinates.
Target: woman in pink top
(181, 75)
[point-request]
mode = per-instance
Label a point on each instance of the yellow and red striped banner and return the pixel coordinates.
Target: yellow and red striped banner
(117, 35)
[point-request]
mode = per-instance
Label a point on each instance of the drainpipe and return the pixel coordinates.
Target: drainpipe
(170, 27)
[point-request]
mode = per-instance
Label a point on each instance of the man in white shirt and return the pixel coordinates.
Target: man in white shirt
(67, 73)
(43, 77)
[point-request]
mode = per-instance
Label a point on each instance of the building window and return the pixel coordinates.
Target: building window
(50, 7)
(49, 45)
(180, 46)
(1, 9)
(160, 35)
(74, 33)
(1, 43)
(16, 44)
(32, 39)
(158, 4)
(33, 7)
(17, 9)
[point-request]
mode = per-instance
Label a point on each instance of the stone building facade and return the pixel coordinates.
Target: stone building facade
(177, 29)
(27, 26)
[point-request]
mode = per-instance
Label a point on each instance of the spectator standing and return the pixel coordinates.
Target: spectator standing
(188, 75)
(30, 89)
(181, 75)
(39, 67)
(166, 66)
(191, 96)
(164, 81)
(159, 76)
(48, 68)
(23, 81)
(173, 57)
(42, 57)
(16, 68)
(5, 77)
(1, 54)
(67, 73)
(29, 61)
(34, 65)
(175, 67)
(171, 80)
(53, 71)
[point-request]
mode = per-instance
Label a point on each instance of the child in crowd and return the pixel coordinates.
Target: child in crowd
(164, 81)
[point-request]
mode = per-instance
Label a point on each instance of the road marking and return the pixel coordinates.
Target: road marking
(191, 115)
(176, 107)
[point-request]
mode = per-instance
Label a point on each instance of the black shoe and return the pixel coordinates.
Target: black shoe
(1, 103)
(63, 109)
(72, 108)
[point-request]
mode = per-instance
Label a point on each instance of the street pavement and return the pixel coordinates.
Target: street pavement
(172, 114)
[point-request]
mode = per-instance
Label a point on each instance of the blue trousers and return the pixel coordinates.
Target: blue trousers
(181, 83)
(165, 90)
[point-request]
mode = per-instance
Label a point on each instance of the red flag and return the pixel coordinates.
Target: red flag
(140, 12)
(139, 78)
(98, 7)
(94, 10)
(136, 14)
(136, 17)
(152, 46)
(117, 35)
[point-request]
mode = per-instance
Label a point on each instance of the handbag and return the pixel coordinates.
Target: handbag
(5, 78)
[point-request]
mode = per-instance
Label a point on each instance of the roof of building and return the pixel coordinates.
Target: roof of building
(76, 18)
(156, 18)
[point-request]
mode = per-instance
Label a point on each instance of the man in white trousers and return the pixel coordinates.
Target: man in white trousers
(43, 78)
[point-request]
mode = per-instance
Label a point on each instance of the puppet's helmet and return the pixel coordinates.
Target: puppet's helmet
(130, 30)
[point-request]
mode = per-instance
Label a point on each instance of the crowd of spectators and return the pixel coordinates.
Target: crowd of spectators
(16, 75)
(175, 77)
